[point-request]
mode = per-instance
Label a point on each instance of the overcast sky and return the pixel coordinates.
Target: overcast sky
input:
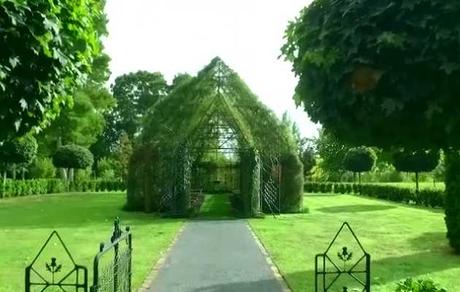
(174, 36)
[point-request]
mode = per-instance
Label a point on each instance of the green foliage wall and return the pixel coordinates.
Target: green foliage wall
(453, 198)
(250, 183)
(291, 183)
(142, 183)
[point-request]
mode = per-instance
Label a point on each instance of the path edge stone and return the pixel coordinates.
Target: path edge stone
(279, 277)
(146, 285)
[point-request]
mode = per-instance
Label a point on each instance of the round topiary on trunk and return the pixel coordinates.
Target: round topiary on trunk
(73, 157)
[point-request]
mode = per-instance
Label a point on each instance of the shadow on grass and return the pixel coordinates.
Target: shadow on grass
(388, 270)
(355, 208)
(430, 241)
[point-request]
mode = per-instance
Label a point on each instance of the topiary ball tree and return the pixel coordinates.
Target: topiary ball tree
(19, 151)
(416, 162)
(72, 157)
(359, 159)
(383, 73)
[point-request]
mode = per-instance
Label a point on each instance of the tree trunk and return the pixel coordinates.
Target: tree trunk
(14, 171)
(62, 171)
(452, 203)
(4, 183)
(416, 183)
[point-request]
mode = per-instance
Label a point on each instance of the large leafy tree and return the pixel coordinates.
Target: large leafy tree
(135, 93)
(383, 73)
(331, 152)
(83, 122)
(47, 48)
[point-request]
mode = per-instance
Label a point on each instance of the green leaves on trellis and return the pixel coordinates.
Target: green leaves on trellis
(216, 90)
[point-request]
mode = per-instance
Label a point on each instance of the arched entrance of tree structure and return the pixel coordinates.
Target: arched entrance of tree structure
(218, 159)
(251, 181)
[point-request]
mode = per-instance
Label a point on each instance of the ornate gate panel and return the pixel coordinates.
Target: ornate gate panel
(270, 184)
(54, 269)
(344, 266)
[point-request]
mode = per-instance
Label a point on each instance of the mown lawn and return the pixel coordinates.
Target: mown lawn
(83, 221)
(403, 241)
(215, 206)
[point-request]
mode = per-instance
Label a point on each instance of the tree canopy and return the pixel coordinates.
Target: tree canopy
(416, 161)
(19, 150)
(135, 93)
(332, 153)
(359, 159)
(48, 48)
(308, 160)
(382, 73)
(73, 157)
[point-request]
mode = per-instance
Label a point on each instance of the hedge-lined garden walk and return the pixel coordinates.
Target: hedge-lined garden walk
(216, 255)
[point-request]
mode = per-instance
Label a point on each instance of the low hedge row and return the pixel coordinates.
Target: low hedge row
(18, 188)
(427, 198)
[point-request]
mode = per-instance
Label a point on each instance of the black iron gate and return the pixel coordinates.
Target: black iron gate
(54, 269)
(112, 265)
(344, 266)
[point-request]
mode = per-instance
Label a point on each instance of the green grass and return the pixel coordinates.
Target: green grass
(215, 206)
(83, 221)
(403, 241)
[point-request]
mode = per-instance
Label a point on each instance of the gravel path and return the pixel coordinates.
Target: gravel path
(217, 255)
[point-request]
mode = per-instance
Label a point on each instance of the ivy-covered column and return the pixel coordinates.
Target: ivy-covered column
(250, 183)
(182, 184)
(255, 188)
(452, 203)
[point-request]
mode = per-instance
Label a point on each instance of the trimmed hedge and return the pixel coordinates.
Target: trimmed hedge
(427, 198)
(19, 188)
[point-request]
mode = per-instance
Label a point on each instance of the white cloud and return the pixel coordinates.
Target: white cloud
(173, 36)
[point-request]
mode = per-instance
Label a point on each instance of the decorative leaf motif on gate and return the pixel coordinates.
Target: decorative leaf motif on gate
(344, 264)
(54, 266)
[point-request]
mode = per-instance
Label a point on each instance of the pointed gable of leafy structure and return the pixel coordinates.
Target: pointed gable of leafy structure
(216, 95)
